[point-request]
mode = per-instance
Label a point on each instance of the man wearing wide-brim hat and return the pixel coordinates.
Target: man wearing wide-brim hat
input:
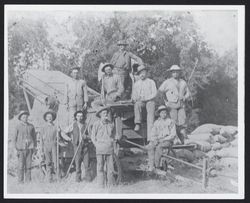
(122, 64)
(25, 143)
(163, 134)
(77, 92)
(103, 138)
(143, 95)
(175, 92)
(77, 135)
(48, 134)
(111, 87)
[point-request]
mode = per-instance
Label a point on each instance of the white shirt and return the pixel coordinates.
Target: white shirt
(144, 90)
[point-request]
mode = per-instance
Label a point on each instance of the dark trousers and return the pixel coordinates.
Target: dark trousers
(50, 159)
(24, 165)
(82, 156)
(105, 170)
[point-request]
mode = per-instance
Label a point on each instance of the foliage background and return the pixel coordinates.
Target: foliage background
(161, 39)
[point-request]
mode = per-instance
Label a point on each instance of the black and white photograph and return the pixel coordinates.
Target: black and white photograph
(124, 101)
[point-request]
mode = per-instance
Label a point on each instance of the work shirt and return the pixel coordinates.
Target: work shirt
(48, 136)
(77, 92)
(102, 135)
(112, 84)
(76, 131)
(122, 60)
(175, 89)
(24, 136)
(144, 90)
(163, 129)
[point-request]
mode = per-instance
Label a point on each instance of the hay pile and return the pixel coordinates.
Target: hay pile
(216, 142)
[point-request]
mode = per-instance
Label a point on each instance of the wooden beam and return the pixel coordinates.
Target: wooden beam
(27, 100)
(204, 174)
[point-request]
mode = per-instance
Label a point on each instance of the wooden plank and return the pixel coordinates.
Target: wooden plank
(27, 100)
(204, 174)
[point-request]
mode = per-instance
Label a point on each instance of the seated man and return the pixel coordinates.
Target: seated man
(162, 135)
(112, 88)
(143, 94)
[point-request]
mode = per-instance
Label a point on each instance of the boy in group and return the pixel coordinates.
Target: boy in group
(48, 135)
(103, 138)
(25, 143)
(162, 135)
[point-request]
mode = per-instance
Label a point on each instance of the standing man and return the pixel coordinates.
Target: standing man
(143, 94)
(122, 64)
(77, 92)
(48, 143)
(25, 143)
(163, 134)
(79, 140)
(112, 87)
(103, 137)
(175, 92)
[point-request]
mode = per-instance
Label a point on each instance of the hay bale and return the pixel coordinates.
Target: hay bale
(185, 154)
(208, 137)
(228, 131)
(228, 152)
(207, 128)
(216, 146)
(198, 154)
(226, 144)
(201, 145)
(234, 143)
(211, 154)
(219, 138)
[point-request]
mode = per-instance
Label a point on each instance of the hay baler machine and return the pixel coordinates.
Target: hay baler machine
(43, 90)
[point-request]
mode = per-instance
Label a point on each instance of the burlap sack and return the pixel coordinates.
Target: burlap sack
(207, 128)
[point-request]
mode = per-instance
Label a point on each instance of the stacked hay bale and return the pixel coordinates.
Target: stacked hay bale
(214, 141)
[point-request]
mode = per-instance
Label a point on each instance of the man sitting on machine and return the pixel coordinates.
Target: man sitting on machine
(111, 89)
(163, 134)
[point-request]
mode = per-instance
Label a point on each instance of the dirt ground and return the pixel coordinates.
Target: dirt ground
(133, 182)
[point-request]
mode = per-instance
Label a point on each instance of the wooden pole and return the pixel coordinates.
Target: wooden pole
(204, 174)
(77, 148)
(27, 100)
(57, 151)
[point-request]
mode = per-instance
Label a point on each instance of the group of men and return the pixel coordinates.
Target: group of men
(116, 85)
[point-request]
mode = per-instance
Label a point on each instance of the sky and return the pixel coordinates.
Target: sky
(219, 28)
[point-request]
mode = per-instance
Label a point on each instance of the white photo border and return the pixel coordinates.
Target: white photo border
(241, 97)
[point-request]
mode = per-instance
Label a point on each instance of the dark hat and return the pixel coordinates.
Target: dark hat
(141, 68)
(161, 108)
(79, 112)
(122, 42)
(49, 112)
(175, 68)
(107, 64)
(102, 109)
(22, 113)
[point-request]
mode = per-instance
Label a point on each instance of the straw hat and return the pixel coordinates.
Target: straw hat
(49, 112)
(107, 64)
(22, 113)
(175, 68)
(102, 109)
(161, 108)
(141, 68)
